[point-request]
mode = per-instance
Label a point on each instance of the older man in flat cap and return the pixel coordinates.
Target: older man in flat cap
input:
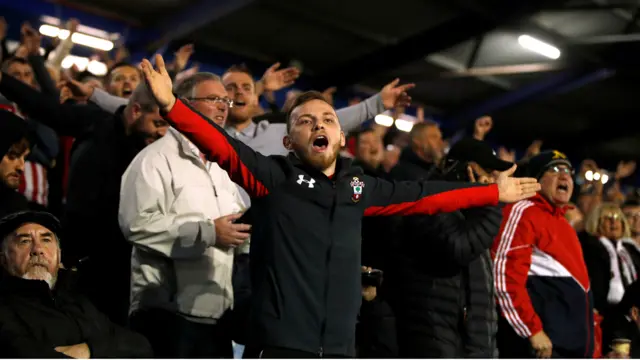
(41, 316)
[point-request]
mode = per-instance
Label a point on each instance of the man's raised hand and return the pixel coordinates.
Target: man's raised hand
(511, 189)
(159, 82)
(396, 96)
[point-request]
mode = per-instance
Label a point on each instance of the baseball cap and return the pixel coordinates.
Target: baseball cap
(11, 222)
(470, 149)
(540, 163)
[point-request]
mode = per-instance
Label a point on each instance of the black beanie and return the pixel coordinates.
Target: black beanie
(12, 130)
(540, 163)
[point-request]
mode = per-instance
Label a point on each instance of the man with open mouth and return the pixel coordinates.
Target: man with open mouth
(541, 279)
(305, 256)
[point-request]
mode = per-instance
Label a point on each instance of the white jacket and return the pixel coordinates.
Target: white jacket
(168, 200)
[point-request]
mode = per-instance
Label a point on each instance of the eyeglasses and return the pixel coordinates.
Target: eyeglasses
(561, 170)
(612, 216)
(214, 100)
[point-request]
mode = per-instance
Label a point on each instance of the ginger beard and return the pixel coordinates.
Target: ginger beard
(315, 135)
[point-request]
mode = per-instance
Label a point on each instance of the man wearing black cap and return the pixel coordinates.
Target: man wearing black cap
(442, 287)
(41, 316)
(541, 279)
(14, 147)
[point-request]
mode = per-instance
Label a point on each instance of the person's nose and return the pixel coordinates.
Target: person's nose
(222, 106)
(161, 131)
(37, 248)
(20, 165)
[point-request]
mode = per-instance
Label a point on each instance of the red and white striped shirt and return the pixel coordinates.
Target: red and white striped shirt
(34, 184)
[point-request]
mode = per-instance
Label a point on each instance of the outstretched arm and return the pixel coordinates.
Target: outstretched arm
(389, 97)
(256, 173)
(430, 197)
(64, 119)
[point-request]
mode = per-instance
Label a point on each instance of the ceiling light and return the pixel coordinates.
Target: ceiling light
(540, 47)
(384, 120)
(82, 63)
(77, 38)
(97, 68)
(605, 178)
(404, 125)
(596, 176)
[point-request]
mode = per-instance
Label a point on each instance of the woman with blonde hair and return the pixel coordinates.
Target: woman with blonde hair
(609, 262)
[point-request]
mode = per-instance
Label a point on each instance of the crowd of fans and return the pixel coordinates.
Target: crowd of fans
(193, 220)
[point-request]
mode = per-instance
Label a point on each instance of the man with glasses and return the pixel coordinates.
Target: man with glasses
(541, 280)
(179, 211)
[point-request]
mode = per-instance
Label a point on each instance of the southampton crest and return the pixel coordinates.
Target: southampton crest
(357, 187)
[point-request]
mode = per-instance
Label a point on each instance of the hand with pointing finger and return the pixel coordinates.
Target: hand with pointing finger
(394, 96)
(159, 82)
(230, 234)
(515, 189)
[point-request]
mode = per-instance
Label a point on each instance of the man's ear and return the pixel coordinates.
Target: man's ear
(343, 140)
(286, 141)
(136, 110)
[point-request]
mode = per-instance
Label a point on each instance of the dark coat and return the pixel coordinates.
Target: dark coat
(442, 288)
(34, 320)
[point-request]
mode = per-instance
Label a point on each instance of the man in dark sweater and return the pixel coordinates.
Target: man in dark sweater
(105, 145)
(305, 256)
(41, 316)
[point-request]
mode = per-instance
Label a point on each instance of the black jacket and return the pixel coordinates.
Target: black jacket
(34, 320)
(100, 155)
(442, 287)
(411, 167)
(305, 250)
(376, 232)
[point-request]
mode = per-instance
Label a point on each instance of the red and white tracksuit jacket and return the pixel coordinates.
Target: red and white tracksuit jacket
(540, 276)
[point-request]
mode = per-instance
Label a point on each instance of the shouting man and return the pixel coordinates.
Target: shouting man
(305, 257)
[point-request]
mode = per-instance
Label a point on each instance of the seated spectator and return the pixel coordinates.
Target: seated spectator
(41, 316)
(14, 147)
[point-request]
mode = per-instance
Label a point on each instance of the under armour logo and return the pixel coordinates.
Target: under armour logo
(301, 180)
